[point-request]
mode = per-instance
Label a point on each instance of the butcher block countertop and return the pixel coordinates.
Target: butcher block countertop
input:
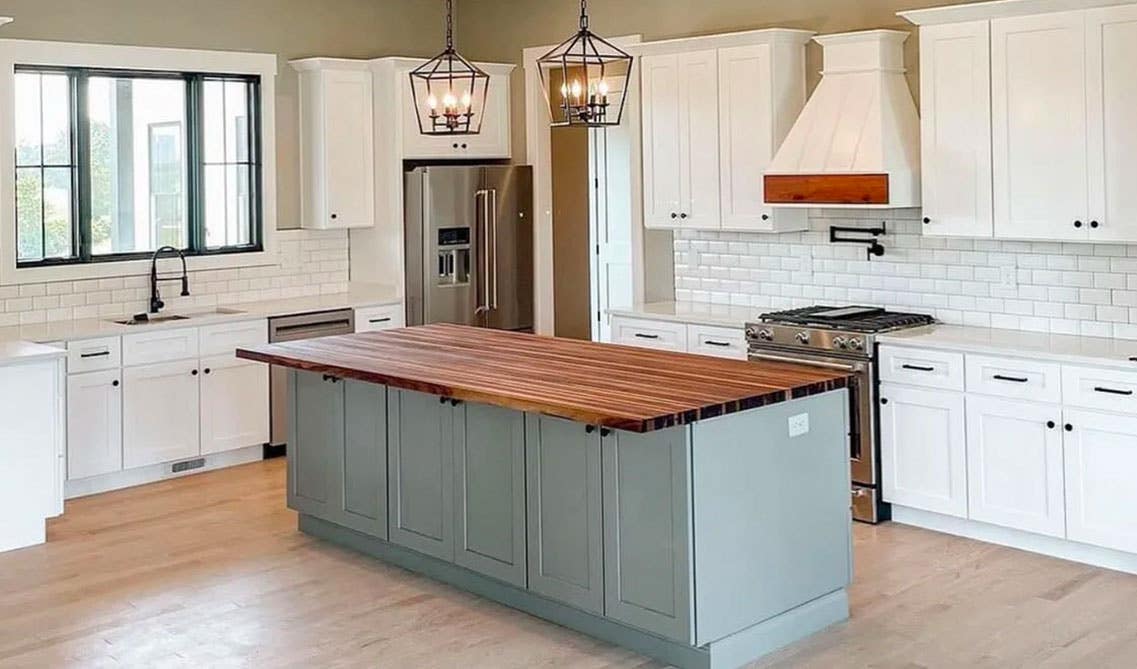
(620, 387)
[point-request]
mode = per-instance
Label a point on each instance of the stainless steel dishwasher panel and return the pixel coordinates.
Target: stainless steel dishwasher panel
(293, 328)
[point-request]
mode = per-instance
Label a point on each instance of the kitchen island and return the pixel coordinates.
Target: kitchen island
(690, 508)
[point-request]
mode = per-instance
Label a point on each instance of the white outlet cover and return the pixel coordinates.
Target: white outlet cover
(799, 424)
(1008, 276)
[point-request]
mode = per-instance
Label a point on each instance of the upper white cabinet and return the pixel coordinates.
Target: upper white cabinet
(1062, 136)
(714, 112)
(337, 145)
(493, 141)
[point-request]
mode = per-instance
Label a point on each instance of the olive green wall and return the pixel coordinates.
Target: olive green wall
(288, 28)
(497, 30)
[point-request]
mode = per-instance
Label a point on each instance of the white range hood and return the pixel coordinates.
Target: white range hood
(857, 142)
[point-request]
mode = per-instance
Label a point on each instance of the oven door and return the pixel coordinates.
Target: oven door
(862, 437)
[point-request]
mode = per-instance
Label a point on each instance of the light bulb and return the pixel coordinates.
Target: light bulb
(432, 102)
(602, 87)
(448, 100)
(564, 90)
(576, 89)
(466, 99)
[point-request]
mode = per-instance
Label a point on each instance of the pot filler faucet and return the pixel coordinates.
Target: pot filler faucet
(156, 302)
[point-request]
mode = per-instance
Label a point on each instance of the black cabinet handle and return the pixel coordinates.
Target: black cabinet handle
(1113, 391)
(100, 354)
(1051, 424)
(115, 383)
(918, 368)
(1069, 427)
(640, 335)
(722, 344)
(927, 220)
(1012, 379)
(1077, 224)
(1133, 359)
(379, 320)
(1094, 224)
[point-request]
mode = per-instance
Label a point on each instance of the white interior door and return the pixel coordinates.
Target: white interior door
(1014, 465)
(1038, 84)
(1111, 48)
(610, 227)
(94, 423)
(349, 154)
(234, 404)
(1101, 466)
(699, 140)
(160, 413)
(661, 140)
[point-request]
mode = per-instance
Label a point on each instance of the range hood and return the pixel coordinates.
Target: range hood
(857, 142)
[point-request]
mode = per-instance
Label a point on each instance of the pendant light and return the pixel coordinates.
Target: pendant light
(586, 79)
(449, 92)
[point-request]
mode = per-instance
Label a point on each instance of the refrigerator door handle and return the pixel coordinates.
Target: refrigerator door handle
(493, 212)
(482, 250)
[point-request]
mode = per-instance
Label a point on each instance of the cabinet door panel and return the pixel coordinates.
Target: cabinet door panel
(1038, 83)
(94, 424)
(349, 156)
(923, 452)
(562, 463)
(1111, 48)
(160, 413)
(234, 404)
(661, 144)
(420, 464)
(699, 140)
(316, 435)
(955, 94)
(647, 531)
(363, 465)
(1101, 466)
(489, 477)
(1014, 465)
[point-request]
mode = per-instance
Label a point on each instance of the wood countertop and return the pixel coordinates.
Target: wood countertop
(620, 387)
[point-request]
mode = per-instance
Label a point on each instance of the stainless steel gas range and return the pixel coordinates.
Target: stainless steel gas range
(840, 338)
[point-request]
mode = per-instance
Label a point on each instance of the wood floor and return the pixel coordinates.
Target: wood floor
(209, 571)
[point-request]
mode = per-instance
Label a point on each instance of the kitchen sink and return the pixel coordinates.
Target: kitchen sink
(156, 319)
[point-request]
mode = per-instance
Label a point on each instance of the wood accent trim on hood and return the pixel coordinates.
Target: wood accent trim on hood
(851, 189)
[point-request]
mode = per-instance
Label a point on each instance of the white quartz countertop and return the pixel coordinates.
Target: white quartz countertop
(1014, 343)
(357, 295)
(696, 313)
(16, 352)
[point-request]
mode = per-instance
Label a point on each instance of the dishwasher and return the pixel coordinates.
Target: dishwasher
(292, 328)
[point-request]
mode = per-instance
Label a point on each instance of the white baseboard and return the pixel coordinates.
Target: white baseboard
(1027, 541)
(160, 472)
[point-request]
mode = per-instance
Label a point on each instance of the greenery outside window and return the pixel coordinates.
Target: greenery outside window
(113, 164)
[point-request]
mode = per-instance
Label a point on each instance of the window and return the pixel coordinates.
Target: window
(111, 165)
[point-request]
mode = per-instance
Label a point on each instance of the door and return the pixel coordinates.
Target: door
(489, 491)
(349, 155)
(1014, 465)
(661, 112)
(565, 525)
(94, 424)
(745, 77)
(1101, 460)
(508, 240)
(1039, 139)
(648, 581)
(362, 465)
(420, 452)
(441, 241)
(699, 140)
(315, 440)
(923, 449)
(610, 228)
(1111, 48)
(160, 419)
(234, 404)
(955, 113)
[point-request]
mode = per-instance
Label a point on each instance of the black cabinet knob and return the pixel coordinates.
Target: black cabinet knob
(674, 215)
(682, 215)
(1050, 424)
(335, 216)
(442, 400)
(884, 400)
(927, 220)
(589, 429)
(208, 370)
(455, 145)
(193, 373)
(1094, 224)
(765, 217)
(464, 146)
(455, 403)
(1069, 427)
(1077, 224)
(115, 383)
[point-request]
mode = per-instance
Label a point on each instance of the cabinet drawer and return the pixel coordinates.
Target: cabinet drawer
(918, 367)
(1017, 379)
(716, 341)
(1093, 388)
(662, 335)
(92, 355)
(226, 338)
(159, 346)
(385, 317)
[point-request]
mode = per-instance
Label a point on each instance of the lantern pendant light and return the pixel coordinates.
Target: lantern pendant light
(449, 92)
(586, 79)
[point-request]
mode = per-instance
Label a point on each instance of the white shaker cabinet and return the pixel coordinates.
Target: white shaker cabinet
(160, 413)
(491, 142)
(661, 145)
(1039, 128)
(955, 95)
(337, 144)
(923, 449)
(94, 423)
(1014, 464)
(1101, 465)
(234, 403)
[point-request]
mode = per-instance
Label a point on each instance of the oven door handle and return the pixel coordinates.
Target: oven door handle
(849, 367)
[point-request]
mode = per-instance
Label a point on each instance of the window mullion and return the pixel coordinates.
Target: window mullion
(82, 125)
(195, 193)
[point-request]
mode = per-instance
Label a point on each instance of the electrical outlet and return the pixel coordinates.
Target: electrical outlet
(799, 424)
(1008, 276)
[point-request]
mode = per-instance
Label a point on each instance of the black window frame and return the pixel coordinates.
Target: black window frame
(81, 242)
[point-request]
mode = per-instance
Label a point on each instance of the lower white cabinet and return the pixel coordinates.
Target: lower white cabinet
(94, 423)
(712, 340)
(234, 404)
(1101, 472)
(923, 449)
(1014, 464)
(160, 413)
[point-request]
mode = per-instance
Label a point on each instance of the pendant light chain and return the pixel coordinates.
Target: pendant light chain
(584, 14)
(449, 25)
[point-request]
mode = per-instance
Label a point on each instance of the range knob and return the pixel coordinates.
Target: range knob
(802, 337)
(856, 344)
(766, 335)
(841, 343)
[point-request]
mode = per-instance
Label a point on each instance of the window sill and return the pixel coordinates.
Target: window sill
(106, 270)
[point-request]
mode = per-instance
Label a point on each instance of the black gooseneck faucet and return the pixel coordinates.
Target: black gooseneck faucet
(156, 302)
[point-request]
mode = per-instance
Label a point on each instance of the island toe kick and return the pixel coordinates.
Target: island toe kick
(707, 544)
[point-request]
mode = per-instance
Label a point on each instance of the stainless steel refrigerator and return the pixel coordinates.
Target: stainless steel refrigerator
(469, 237)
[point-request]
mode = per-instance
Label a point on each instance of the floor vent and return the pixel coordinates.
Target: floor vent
(188, 465)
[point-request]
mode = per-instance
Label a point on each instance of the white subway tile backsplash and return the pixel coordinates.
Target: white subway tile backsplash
(1068, 288)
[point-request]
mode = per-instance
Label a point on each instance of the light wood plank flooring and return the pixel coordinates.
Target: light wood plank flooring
(209, 571)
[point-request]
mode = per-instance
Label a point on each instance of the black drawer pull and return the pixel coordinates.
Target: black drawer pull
(722, 344)
(918, 368)
(641, 335)
(1013, 379)
(1113, 391)
(100, 354)
(380, 320)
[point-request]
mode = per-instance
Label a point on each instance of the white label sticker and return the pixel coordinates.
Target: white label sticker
(799, 424)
